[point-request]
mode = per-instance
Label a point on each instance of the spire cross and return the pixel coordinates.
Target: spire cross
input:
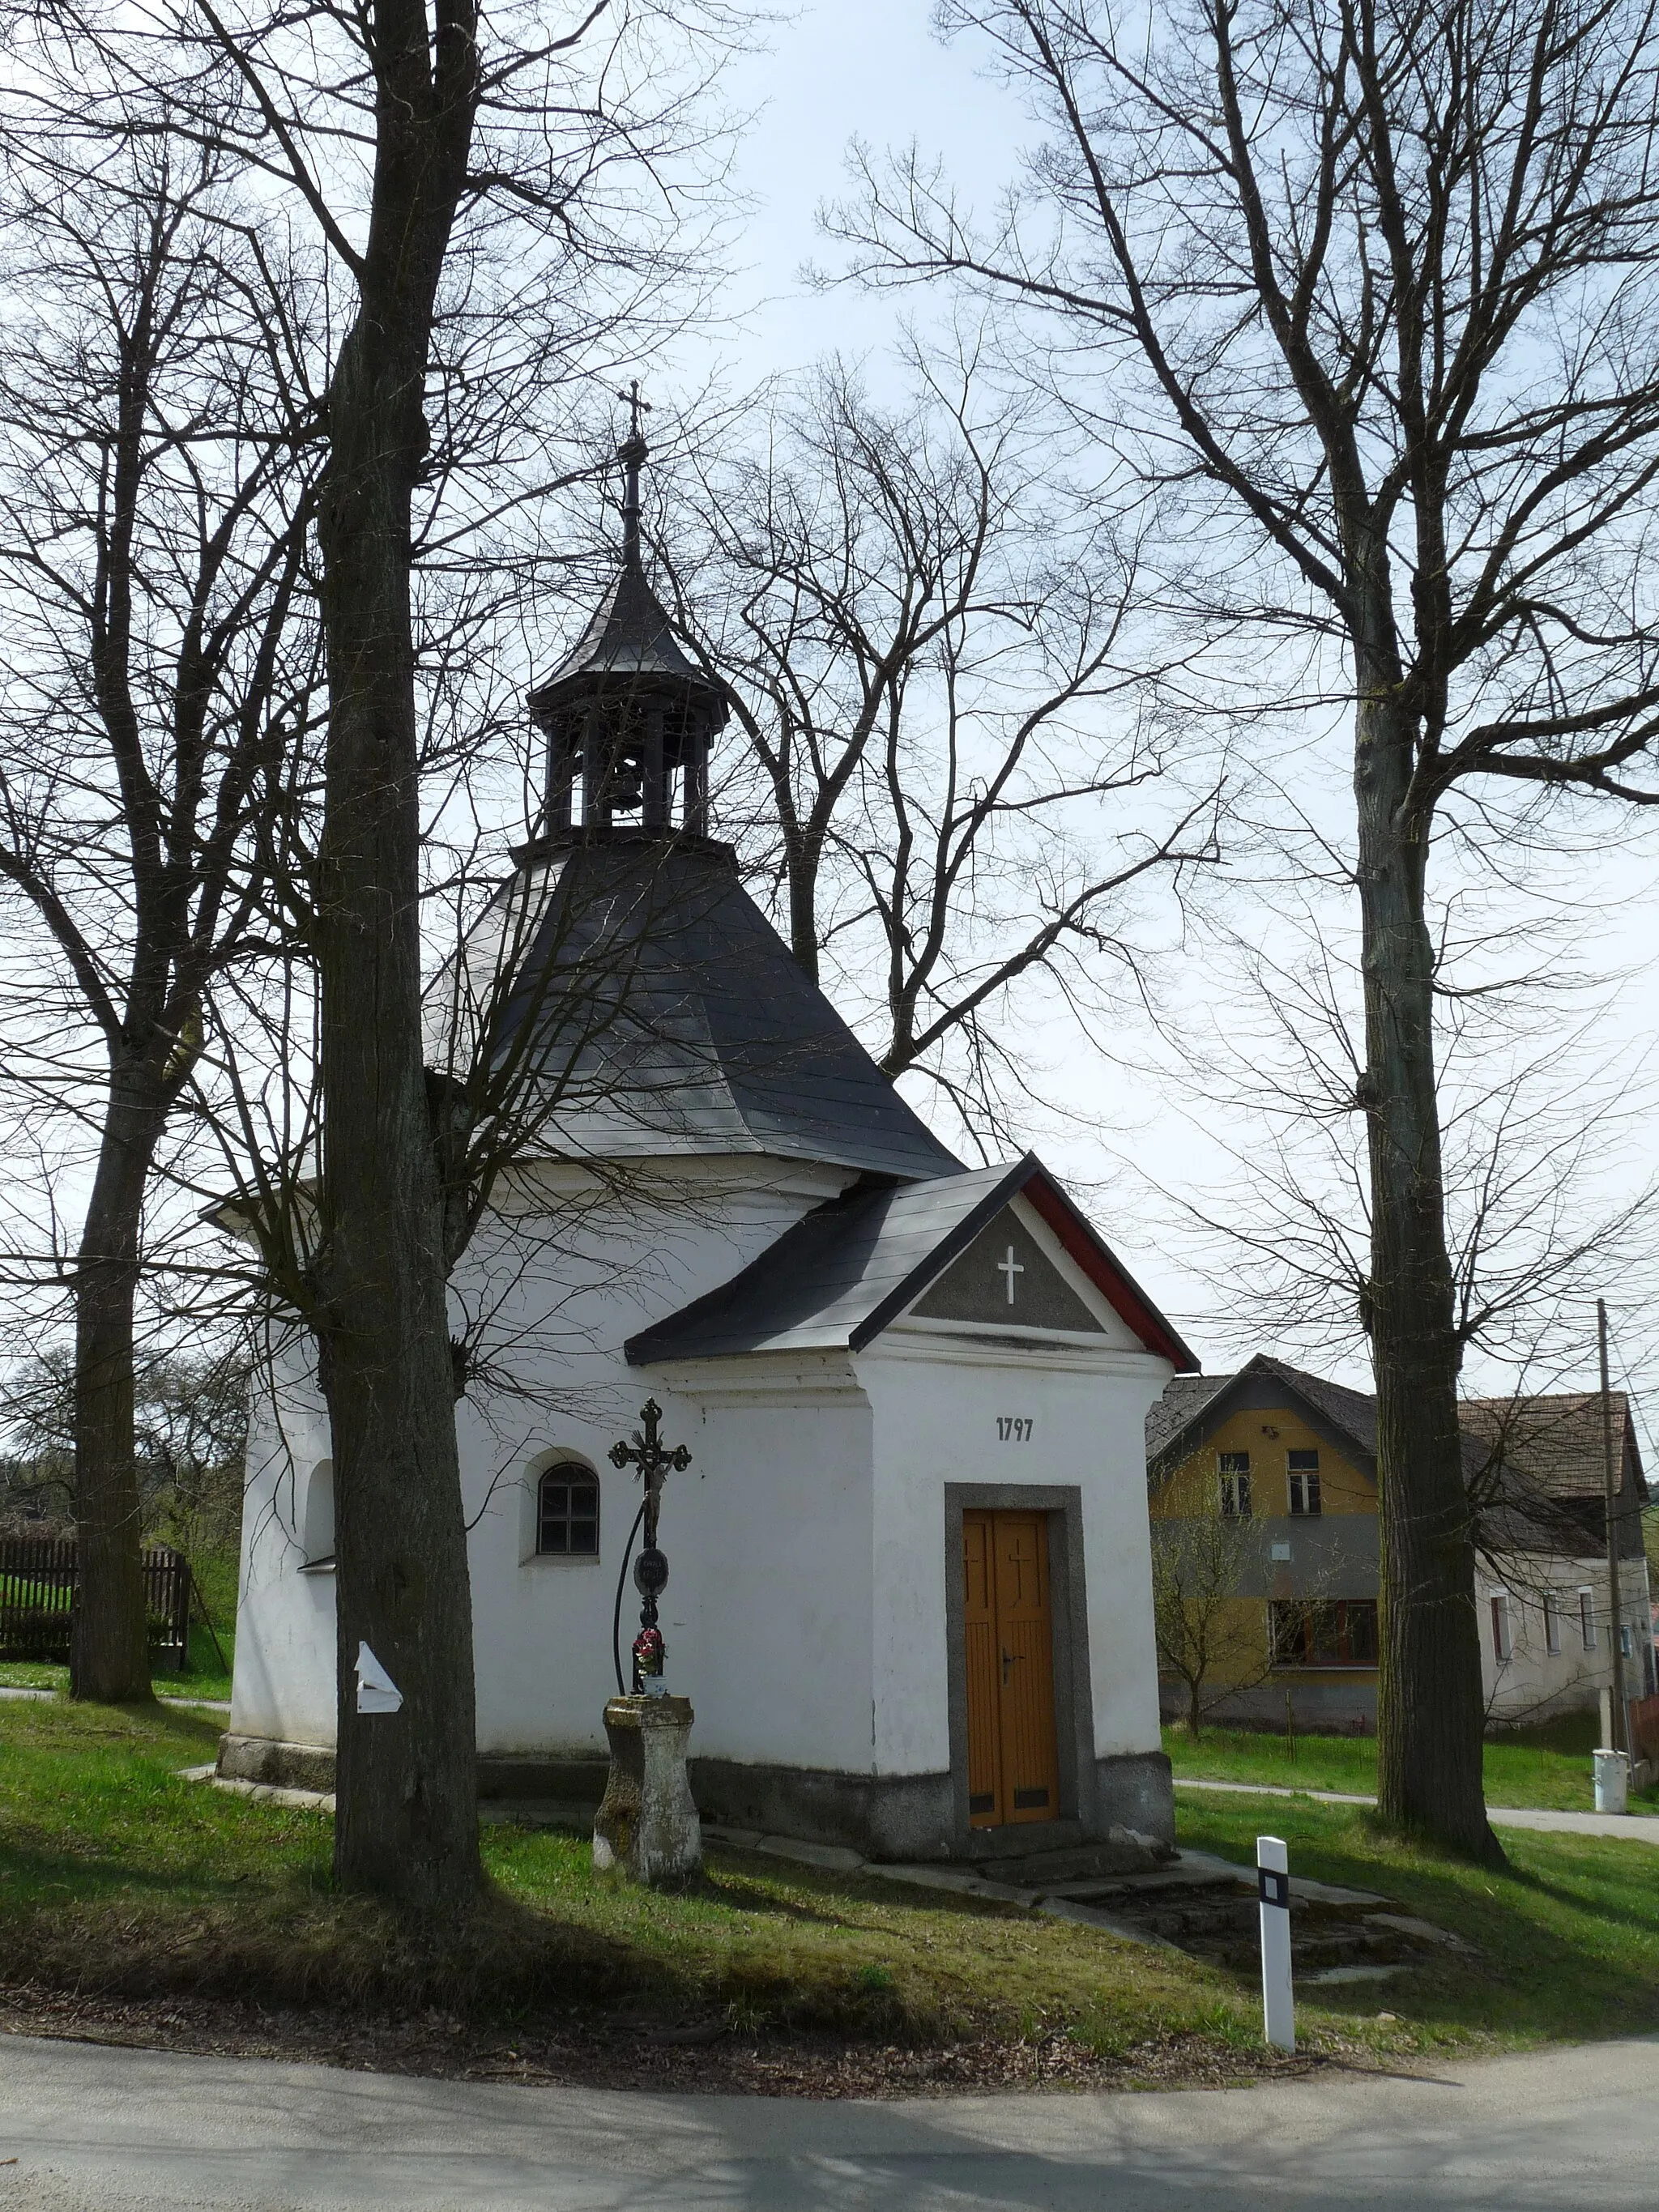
(636, 407)
(650, 1455)
(632, 454)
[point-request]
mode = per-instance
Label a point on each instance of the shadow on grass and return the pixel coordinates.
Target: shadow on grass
(744, 1892)
(93, 1877)
(96, 1925)
(305, 1944)
(1579, 1898)
(59, 1726)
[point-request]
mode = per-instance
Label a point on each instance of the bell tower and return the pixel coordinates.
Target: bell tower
(628, 717)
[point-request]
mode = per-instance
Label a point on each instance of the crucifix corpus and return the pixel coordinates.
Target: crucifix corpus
(647, 1451)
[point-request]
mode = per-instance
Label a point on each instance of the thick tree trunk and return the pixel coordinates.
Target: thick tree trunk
(407, 1819)
(109, 1662)
(1430, 1710)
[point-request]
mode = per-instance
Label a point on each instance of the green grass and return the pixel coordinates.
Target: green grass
(117, 1876)
(1545, 1766)
(204, 1677)
(14, 1589)
(1566, 1935)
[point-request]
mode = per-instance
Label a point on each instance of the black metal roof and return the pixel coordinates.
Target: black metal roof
(629, 635)
(662, 1015)
(837, 1278)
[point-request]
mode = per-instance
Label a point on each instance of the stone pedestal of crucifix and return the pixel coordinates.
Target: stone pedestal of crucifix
(647, 1826)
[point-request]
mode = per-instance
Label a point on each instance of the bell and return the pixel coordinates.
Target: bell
(627, 782)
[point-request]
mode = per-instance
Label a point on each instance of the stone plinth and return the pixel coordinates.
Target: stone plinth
(647, 1826)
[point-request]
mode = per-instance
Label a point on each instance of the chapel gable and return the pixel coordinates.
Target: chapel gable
(1005, 1278)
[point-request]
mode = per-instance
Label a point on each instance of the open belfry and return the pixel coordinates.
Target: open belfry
(910, 1600)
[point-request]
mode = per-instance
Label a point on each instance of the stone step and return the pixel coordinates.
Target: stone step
(1126, 1888)
(1048, 1870)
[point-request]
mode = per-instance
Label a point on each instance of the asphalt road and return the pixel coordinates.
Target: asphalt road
(94, 2129)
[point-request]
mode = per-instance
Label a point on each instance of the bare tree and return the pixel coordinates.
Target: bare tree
(1210, 1637)
(190, 1426)
(1375, 286)
(458, 179)
(157, 686)
(1548, 1191)
(963, 783)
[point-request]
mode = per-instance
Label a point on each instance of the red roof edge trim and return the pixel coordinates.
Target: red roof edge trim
(1114, 1282)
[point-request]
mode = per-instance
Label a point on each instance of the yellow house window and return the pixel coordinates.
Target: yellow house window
(1235, 1485)
(1304, 1481)
(1332, 1632)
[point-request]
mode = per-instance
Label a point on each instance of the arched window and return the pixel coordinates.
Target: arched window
(316, 1533)
(567, 1512)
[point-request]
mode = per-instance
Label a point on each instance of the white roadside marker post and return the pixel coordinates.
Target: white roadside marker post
(1272, 1877)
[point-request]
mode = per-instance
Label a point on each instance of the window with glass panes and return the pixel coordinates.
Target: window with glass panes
(567, 1512)
(1304, 1481)
(1503, 1641)
(1329, 1633)
(1235, 1485)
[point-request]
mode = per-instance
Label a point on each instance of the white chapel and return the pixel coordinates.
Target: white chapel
(911, 1595)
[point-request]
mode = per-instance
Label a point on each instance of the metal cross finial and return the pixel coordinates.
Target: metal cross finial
(651, 1456)
(632, 454)
(636, 407)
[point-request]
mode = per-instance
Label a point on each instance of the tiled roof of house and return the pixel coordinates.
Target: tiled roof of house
(1176, 1423)
(1547, 1446)
(1183, 1400)
(1554, 1443)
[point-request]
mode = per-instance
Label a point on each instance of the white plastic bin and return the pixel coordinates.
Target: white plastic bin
(1612, 1781)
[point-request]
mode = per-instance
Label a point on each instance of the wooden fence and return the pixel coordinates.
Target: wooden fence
(1645, 1727)
(39, 1588)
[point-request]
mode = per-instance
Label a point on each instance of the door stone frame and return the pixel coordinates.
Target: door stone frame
(1061, 1503)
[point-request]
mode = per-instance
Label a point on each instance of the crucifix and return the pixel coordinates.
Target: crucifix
(647, 1452)
(1011, 1268)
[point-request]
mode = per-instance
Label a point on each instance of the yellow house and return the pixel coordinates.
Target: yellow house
(1262, 1491)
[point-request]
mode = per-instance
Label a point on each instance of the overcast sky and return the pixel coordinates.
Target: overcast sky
(874, 68)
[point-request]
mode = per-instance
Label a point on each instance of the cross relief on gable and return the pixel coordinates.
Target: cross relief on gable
(1005, 1276)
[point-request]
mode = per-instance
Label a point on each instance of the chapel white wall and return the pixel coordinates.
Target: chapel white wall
(767, 1612)
(283, 1681)
(769, 1511)
(935, 1402)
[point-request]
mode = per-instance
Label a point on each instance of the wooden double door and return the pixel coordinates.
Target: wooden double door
(1013, 1765)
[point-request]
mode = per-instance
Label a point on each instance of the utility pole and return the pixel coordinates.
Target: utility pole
(1620, 1732)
